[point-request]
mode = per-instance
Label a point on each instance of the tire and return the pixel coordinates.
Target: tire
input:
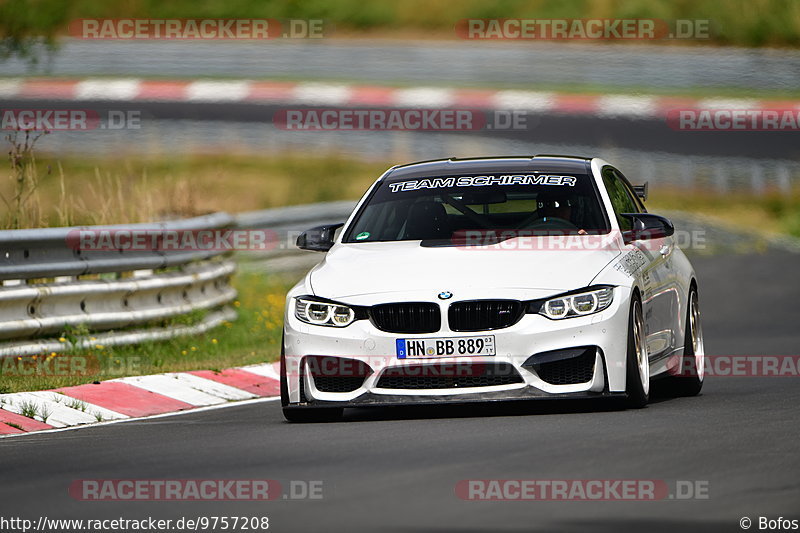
(637, 366)
(690, 375)
(284, 386)
(329, 414)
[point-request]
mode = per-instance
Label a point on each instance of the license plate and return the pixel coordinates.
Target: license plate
(445, 347)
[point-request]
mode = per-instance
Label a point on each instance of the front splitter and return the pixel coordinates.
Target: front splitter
(387, 400)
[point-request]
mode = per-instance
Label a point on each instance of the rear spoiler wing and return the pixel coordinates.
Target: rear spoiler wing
(641, 191)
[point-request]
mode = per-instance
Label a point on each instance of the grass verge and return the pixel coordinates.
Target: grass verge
(132, 189)
(113, 190)
(770, 214)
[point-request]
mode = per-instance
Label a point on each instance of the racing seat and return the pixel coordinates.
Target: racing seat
(427, 220)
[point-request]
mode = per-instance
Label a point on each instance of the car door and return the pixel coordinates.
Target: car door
(656, 303)
(667, 296)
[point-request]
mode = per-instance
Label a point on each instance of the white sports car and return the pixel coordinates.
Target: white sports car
(487, 279)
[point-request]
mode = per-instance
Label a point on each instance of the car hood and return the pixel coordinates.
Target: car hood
(357, 269)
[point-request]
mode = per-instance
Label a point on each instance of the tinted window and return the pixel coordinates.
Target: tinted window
(438, 207)
(628, 187)
(621, 199)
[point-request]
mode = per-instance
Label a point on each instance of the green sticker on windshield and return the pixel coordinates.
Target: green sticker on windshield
(363, 235)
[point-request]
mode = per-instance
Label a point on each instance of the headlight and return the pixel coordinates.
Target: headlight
(579, 304)
(323, 313)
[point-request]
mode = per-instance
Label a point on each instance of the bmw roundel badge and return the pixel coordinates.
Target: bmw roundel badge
(445, 295)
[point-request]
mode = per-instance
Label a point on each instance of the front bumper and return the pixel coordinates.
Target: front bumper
(606, 332)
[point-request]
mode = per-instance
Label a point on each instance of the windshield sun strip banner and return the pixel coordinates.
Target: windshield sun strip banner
(482, 181)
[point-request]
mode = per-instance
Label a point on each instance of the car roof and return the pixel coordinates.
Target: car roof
(490, 165)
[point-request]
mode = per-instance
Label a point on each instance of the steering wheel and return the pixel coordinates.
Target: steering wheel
(552, 223)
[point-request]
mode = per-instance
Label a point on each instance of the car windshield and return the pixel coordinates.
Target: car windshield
(438, 208)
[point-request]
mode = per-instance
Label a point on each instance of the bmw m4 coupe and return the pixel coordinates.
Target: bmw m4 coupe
(487, 279)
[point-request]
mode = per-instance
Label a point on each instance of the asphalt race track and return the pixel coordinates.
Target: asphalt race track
(396, 470)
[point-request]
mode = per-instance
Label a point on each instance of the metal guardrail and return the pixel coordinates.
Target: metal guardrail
(286, 223)
(45, 288)
(43, 253)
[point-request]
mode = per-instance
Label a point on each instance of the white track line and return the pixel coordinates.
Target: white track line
(174, 387)
(10, 88)
(618, 105)
(321, 94)
(728, 103)
(523, 100)
(120, 89)
(265, 369)
(424, 97)
(214, 388)
(217, 91)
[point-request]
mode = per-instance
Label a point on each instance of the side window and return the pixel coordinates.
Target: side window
(628, 187)
(621, 199)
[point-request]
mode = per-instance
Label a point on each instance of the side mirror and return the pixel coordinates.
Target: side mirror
(318, 239)
(647, 226)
